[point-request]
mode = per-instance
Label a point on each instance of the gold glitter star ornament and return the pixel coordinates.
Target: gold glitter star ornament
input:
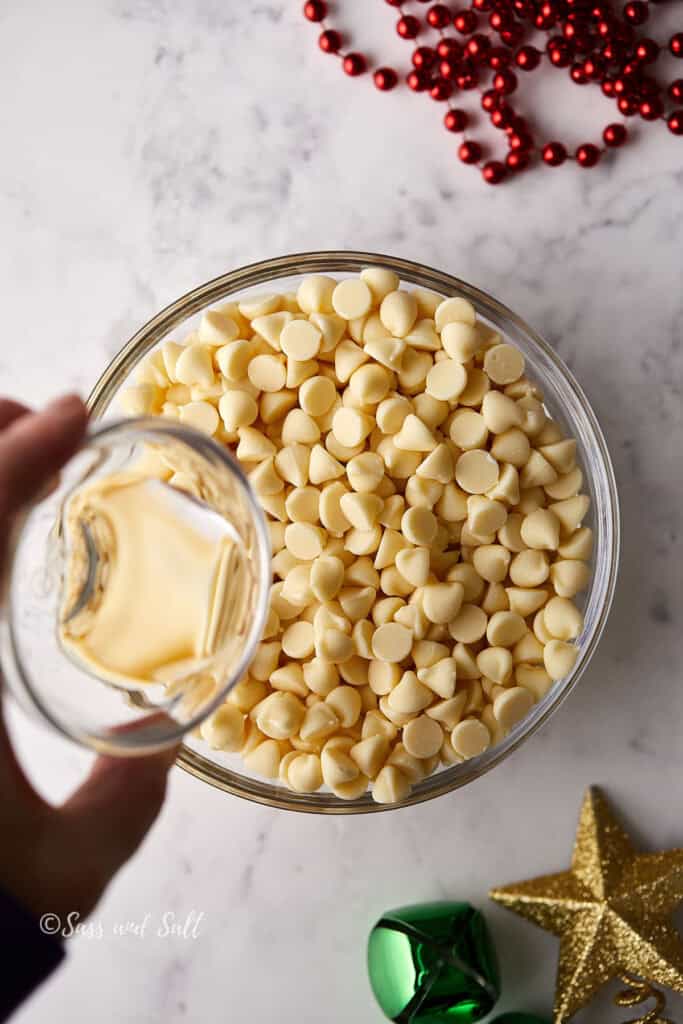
(611, 910)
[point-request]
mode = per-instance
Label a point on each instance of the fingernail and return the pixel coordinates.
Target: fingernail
(66, 405)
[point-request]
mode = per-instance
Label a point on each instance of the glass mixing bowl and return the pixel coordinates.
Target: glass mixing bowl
(564, 400)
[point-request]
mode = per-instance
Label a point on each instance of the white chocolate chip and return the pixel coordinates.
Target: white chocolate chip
(456, 310)
(391, 786)
(460, 340)
(392, 642)
(259, 305)
(562, 618)
(314, 294)
(504, 364)
(380, 282)
(476, 471)
(267, 373)
(470, 738)
(446, 380)
(351, 299)
(304, 540)
(300, 340)
(398, 312)
(559, 658)
(511, 706)
(409, 696)
(422, 737)
(419, 526)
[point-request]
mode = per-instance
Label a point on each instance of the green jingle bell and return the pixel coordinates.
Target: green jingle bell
(433, 963)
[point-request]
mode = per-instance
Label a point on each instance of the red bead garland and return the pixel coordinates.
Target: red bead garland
(594, 39)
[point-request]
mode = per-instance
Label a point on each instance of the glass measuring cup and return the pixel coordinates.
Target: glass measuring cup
(58, 571)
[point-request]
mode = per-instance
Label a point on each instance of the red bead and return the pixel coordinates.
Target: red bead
(627, 106)
(354, 64)
(465, 22)
(467, 79)
(560, 52)
(676, 47)
(594, 68)
(675, 90)
(385, 79)
(502, 117)
(527, 58)
(424, 57)
(554, 154)
(493, 172)
(631, 70)
(614, 53)
(512, 36)
(408, 26)
(520, 140)
(675, 122)
(578, 75)
(482, 5)
(470, 152)
(490, 100)
(438, 16)
(651, 110)
(517, 160)
(477, 46)
(647, 51)
(587, 155)
(500, 19)
(519, 125)
(441, 89)
(615, 135)
(636, 12)
(607, 87)
(455, 120)
(582, 40)
(330, 41)
(524, 9)
(505, 82)
(449, 69)
(498, 58)
(315, 10)
(417, 80)
(449, 48)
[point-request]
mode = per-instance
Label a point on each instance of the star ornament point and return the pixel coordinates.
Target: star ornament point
(611, 910)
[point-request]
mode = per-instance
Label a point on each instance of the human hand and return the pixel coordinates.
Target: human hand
(60, 859)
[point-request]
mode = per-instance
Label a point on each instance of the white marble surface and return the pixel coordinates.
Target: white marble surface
(152, 144)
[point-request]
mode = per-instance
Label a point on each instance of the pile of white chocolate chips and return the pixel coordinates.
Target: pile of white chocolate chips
(425, 517)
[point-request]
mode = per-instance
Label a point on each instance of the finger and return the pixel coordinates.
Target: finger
(10, 411)
(34, 447)
(107, 818)
(12, 778)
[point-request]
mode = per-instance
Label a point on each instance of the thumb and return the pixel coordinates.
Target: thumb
(109, 815)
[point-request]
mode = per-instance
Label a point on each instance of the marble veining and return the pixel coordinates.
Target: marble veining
(152, 144)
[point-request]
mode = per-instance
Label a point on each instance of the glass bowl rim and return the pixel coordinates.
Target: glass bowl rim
(345, 261)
